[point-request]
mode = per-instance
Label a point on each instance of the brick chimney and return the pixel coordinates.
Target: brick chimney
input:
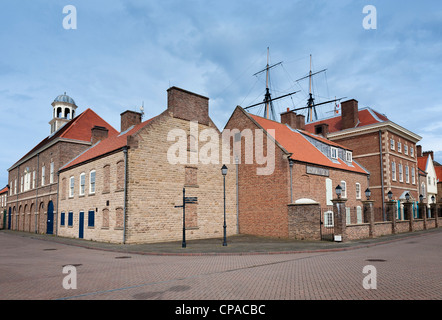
(295, 121)
(98, 133)
(349, 114)
(429, 153)
(321, 129)
(187, 105)
(289, 118)
(129, 118)
(419, 151)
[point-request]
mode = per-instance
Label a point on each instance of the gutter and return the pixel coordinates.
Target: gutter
(125, 194)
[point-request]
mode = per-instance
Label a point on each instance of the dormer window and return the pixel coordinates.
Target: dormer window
(334, 153)
(348, 156)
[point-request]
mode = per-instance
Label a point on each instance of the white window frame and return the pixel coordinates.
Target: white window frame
(401, 172)
(413, 176)
(34, 177)
(393, 171)
(334, 153)
(43, 174)
(344, 189)
(15, 186)
(358, 191)
(348, 156)
(328, 219)
(405, 149)
(71, 186)
(392, 145)
(412, 151)
(92, 181)
(399, 147)
(359, 218)
(82, 184)
(407, 174)
(51, 174)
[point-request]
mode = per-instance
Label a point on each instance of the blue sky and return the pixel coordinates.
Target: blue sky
(126, 52)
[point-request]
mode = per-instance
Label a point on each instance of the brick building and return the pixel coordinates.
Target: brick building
(125, 187)
(3, 206)
(305, 168)
(33, 180)
(428, 187)
(438, 170)
(384, 148)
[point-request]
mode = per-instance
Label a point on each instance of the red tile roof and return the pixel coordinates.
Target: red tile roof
(438, 170)
(367, 116)
(295, 142)
(110, 144)
(78, 128)
(422, 162)
(4, 190)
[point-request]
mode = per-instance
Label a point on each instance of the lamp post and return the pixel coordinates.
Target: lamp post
(390, 195)
(407, 196)
(224, 173)
(433, 199)
(338, 191)
(368, 193)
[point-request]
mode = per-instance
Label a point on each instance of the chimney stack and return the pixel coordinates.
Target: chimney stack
(419, 151)
(187, 105)
(293, 120)
(429, 153)
(98, 133)
(349, 114)
(129, 118)
(321, 129)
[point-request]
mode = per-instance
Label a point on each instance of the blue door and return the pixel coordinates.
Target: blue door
(81, 225)
(50, 221)
(9, 219)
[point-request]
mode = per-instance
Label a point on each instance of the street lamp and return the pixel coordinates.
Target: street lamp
(407, 196)
(433, 198)
(368, 193)
(338, 191)
(421, 198)
(390, 195)
(224, 173)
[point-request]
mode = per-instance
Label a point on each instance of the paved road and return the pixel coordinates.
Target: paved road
(409, 268)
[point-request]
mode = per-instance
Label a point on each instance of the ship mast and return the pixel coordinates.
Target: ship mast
(269, 111)
(311, 105)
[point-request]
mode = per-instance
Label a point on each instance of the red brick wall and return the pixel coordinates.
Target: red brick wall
(262, 199)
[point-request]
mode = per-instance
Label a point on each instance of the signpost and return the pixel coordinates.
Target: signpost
(185, 200)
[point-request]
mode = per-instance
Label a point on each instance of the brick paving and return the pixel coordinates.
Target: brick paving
(408, 268)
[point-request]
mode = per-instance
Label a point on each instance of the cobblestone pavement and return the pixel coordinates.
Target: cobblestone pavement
(407, 268)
